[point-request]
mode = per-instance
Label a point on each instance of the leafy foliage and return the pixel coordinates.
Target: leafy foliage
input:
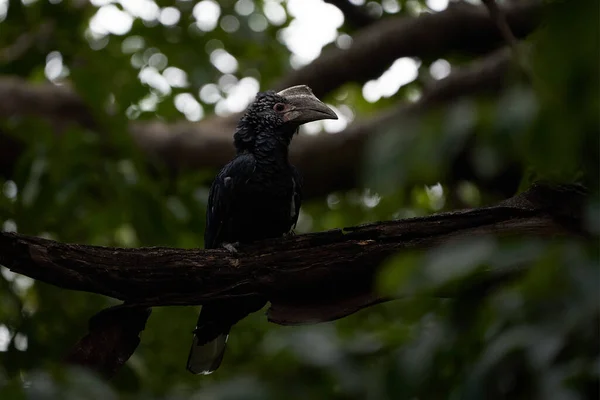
(535, 336)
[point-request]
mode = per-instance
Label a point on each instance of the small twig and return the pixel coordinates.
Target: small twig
(24, 43)
(497, 15)
(356, 16)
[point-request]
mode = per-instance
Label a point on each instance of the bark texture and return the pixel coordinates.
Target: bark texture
(306, 278)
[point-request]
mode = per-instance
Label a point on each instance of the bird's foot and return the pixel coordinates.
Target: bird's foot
(231, 247)
(290, 234)
(197, 330)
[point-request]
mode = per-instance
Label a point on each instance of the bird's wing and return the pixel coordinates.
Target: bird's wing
(297, 178)
(221, 196)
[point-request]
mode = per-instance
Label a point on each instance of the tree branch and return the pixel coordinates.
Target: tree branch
(328, 162)
(355, 16)
(462, 28)
(307, 278)
(25, 42)
(60, 105)
(337, 265)
(497, 15)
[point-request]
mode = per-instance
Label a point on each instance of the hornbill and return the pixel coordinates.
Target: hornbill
(256, 196)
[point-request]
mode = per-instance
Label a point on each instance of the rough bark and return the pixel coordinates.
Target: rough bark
(307, 278)
(335, 264)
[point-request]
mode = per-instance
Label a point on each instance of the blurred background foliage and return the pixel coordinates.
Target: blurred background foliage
(535, 338)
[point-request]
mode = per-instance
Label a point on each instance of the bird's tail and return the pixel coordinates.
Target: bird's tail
(208, 346)
(210, 336)
(205, 358)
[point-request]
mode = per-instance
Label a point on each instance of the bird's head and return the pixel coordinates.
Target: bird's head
(279, 115)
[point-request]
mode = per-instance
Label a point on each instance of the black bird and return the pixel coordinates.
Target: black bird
(256, 196)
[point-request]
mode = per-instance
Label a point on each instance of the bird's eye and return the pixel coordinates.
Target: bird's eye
(279, 107)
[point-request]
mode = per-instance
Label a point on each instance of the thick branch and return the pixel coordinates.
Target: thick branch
(328, 162)
(307, 278)
(58, 104)
(462, 28)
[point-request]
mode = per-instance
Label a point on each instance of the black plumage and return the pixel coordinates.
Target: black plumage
(256, 196)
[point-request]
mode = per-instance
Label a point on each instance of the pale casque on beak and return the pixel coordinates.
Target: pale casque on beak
(304, 106)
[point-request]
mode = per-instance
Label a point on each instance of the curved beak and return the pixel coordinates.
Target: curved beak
(304, 106)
